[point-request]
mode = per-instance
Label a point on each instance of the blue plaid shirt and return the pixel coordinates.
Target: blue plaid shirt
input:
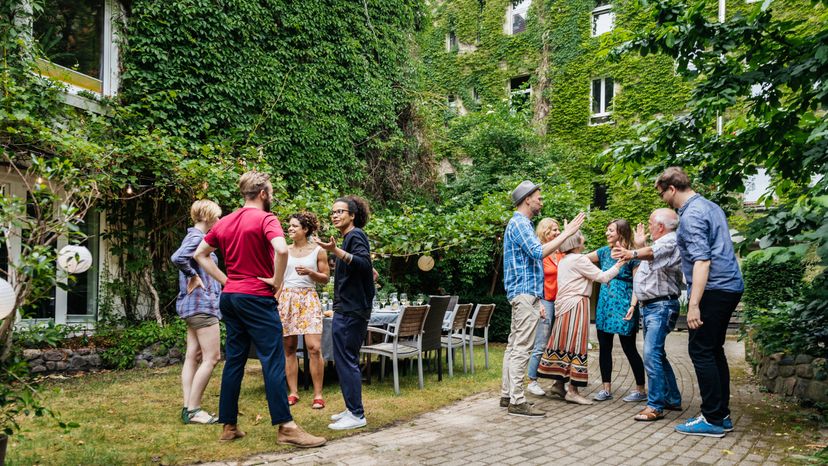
(522, 259)
(201, 300)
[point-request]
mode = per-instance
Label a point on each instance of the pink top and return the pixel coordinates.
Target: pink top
(575, 276)
(244, 239)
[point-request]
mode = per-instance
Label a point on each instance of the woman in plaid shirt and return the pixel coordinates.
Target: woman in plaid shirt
(198, 305)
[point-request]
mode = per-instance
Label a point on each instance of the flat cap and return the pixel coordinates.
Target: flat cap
(524, 189)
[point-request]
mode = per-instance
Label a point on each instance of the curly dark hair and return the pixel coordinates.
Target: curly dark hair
(307, 220)
(359, 207)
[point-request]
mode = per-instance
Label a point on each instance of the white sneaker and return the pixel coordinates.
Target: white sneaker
(348, 421)
(339, 416)
(535, 388)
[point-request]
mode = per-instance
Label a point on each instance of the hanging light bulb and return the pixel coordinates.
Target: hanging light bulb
(129, 189)
(39, 180)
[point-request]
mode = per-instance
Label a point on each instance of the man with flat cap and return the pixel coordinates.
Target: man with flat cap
(523, 279)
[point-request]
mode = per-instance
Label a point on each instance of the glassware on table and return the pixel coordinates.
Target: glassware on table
(404, 299)
(395, 302)
(382, 297)
(421, 299)
(375, 306)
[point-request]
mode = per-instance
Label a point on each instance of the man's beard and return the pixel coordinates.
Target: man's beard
(266, 205)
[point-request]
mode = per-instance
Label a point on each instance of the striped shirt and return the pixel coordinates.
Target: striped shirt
(201, 300)
(660, 276)
(522, 259)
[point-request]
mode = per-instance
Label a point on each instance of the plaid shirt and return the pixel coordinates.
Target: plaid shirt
(201, 300)
(522, 259)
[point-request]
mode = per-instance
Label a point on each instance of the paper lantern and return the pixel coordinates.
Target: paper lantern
(425, 263)
(6, 299)
(74, 259)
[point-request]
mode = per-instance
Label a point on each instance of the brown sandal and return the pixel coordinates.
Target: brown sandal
(648, 414)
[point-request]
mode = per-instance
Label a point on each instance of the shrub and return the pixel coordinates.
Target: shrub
(130, 341)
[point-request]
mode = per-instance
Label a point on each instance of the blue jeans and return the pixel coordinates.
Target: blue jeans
(348, 334)
(249, 318)
(541, 338)
(659, 319)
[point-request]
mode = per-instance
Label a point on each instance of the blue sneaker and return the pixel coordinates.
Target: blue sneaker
(700, 426)
(727, 424)
(635, 397)
(603, 395)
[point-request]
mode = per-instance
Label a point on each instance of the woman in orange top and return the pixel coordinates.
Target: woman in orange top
(547, 230)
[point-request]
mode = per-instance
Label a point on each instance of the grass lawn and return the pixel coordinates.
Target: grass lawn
(132, 417)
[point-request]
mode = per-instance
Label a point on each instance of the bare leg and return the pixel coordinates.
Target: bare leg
(291, 364)
(208, 340)
(313, 342)
(190, 365)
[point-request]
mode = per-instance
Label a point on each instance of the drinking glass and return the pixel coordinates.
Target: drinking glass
(382, 297)
(421, 299)
(404, 299)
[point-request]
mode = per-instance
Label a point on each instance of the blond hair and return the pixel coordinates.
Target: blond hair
(204, 210)
(572, 242)
(252, 183)
(544, 229)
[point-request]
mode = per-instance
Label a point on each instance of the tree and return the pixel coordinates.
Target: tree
(768, 78)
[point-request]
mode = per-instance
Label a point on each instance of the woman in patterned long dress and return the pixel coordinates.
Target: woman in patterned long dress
(299, 305)
(565, 359)
(611, 314)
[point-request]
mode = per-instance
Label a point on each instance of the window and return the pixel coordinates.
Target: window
(516, 18)
(449, 178)
(452, 44)
(599, 196)
(475, 96)
(603, 90)
(602, 18)
(520, 92)
(453, 104)
(78, 43)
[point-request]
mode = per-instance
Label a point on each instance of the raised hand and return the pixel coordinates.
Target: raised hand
(640, 236)
(574, 225)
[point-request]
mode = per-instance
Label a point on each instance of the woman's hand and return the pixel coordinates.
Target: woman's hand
(630, 313)
(195, 282)
(302, 270)
(329, 246)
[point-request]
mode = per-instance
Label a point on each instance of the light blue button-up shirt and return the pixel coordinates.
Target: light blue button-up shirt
(703, 234)
(522, 259)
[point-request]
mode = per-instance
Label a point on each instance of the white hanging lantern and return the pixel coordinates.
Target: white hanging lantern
(74, 259)
(6, 299)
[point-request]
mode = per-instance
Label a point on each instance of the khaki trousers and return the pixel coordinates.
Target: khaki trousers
(525, 318)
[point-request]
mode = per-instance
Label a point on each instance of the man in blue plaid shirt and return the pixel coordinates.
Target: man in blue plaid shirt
(523, 279)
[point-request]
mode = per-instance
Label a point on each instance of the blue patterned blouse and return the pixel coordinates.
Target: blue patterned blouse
(615, 296)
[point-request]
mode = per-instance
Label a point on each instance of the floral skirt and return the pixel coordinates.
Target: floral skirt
(300, 311)
(565, 357)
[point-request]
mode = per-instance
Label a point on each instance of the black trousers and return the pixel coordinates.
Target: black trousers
(706, 348)
(605, 341)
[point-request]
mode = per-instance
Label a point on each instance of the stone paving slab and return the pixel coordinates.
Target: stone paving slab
(477, 431)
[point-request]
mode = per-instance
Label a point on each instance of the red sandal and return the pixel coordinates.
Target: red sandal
(292, 400)
(318, 403)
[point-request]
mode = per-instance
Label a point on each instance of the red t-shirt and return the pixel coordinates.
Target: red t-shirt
(244, 239)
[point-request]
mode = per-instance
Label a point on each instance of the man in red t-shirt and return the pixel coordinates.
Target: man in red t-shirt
(253, 245)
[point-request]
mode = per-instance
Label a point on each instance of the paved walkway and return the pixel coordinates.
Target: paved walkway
(477, 431)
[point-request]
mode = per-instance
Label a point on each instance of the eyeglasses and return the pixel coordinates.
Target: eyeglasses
(339, 212)
(661, 193)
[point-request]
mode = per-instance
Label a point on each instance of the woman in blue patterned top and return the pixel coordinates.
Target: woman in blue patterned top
(611, 313)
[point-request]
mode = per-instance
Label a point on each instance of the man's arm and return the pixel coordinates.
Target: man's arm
(202, 256)
(573, 226)
(280, 259)
(645, 253)
(701, 271)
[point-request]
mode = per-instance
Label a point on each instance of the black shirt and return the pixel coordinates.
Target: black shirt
(354, 283)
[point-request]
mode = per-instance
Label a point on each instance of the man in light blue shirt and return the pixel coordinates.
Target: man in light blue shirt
(523, 279)
(715, 283)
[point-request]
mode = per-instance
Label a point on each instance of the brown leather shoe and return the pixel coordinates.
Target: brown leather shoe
(231, 432)
(297, 437)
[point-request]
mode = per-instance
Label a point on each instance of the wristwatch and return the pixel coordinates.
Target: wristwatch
(635, 253)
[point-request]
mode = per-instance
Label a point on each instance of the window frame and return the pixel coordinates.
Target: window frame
(510, 17)
(452, 43)
(598, 11)
(603, 116)
(514, 92)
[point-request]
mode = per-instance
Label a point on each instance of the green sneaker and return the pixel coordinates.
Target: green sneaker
(184, 415)
(526, 410)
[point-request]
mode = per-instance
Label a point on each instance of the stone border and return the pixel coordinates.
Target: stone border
(802, 376)
(72, 361)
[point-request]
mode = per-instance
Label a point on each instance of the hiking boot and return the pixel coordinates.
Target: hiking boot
(504, 401)
(700, 426)
(231, 432)
(525, 409)
(603, 395)
(297, 437)
(535, 388)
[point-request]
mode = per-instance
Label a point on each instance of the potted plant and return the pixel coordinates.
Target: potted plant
(681, 322)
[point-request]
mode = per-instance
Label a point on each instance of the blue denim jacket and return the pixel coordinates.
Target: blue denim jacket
(703, 234)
